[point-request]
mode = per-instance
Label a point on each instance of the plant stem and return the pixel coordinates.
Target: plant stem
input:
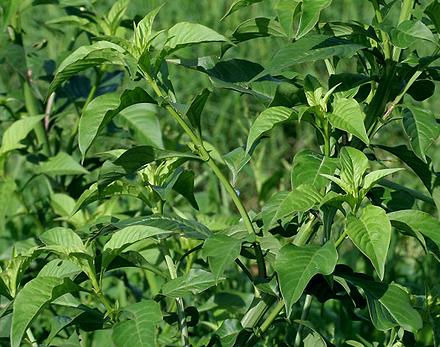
(179, 301)
(304, 314)
(270, 318)
(340, 239)
(31, 338)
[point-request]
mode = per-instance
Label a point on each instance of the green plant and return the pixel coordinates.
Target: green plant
(120, 236)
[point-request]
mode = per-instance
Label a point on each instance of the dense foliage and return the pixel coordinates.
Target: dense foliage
(272, 182)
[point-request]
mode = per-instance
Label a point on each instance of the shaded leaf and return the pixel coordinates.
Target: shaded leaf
(310, 11)
(193, 283)
(238, 4)
(60, 165)
(17, 132)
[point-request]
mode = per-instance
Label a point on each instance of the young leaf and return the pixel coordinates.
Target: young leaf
(310, 11)
(354, 164)
(422, 129)
(193, 283)
(347, 115)
(389, 305)
(143, 30)
(308, 167)
(32, 299)
(296, 266)
(116, 14)
(101, 52)
(101, 110)
(17, 132)
(60, 165)
(257, 27)
(409, 32)
(371, 233)
(236, 160)
(140, 328)
(221, 251)
(265, 122)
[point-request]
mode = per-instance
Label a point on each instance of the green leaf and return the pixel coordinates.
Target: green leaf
(347, 115)
(270, 209)
(371, 233)
(354, 164)
(265, 122)
(184, 34)
(419, 222)
(193, 283)
(238, 4)
(296, 266)
(236, 161)
(409, 32)
(17, 132)
(63, 240)
(388, 304)
(196, 108)
(185, 187)
(420, 168)
(309, 49)
(140, 328)
(422, 129)
(310, 11)
(144, 29)
(308, 167)
(221, 251)
(127, 236)
(61, 165)
(101, 52)
(32, 299)
(433, 12)
(300, 199)
(116, 14)
(373, 177)
(101, 110)
(142, 119)
(257, 27)
(228, 332)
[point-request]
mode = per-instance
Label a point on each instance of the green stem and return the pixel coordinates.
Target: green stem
(270, 318)
(179, 301)
(340, 239)
(31, 338)
(304, 314)
(405, 14)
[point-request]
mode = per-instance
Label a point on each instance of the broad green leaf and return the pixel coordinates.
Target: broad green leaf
(140, 328)
(221, 251)
(270, 209)
(185, 187)
(409, 32)
(64, 241)
(228, 332)
(238, 4)
(257, 27)
(101, 52)
(101, 110)
(300, 199)
(354, 163)
(195, 282)
(17, 132)
(142, 119)
(196, 108)
(433, 12)
(420, 168)
(286, 11)
(265, 122)
(418, 221)
(185, 227)
(373, 177)
(347, 115)
(389, 304)
(32, 299)
(60, 269)
(308, 167)
(127, 236)
(64, 206)
(422, 129)
(371, 233)
(61, 165)
(310, 11)
(309, 49)
(185, 34)
(296, 266)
